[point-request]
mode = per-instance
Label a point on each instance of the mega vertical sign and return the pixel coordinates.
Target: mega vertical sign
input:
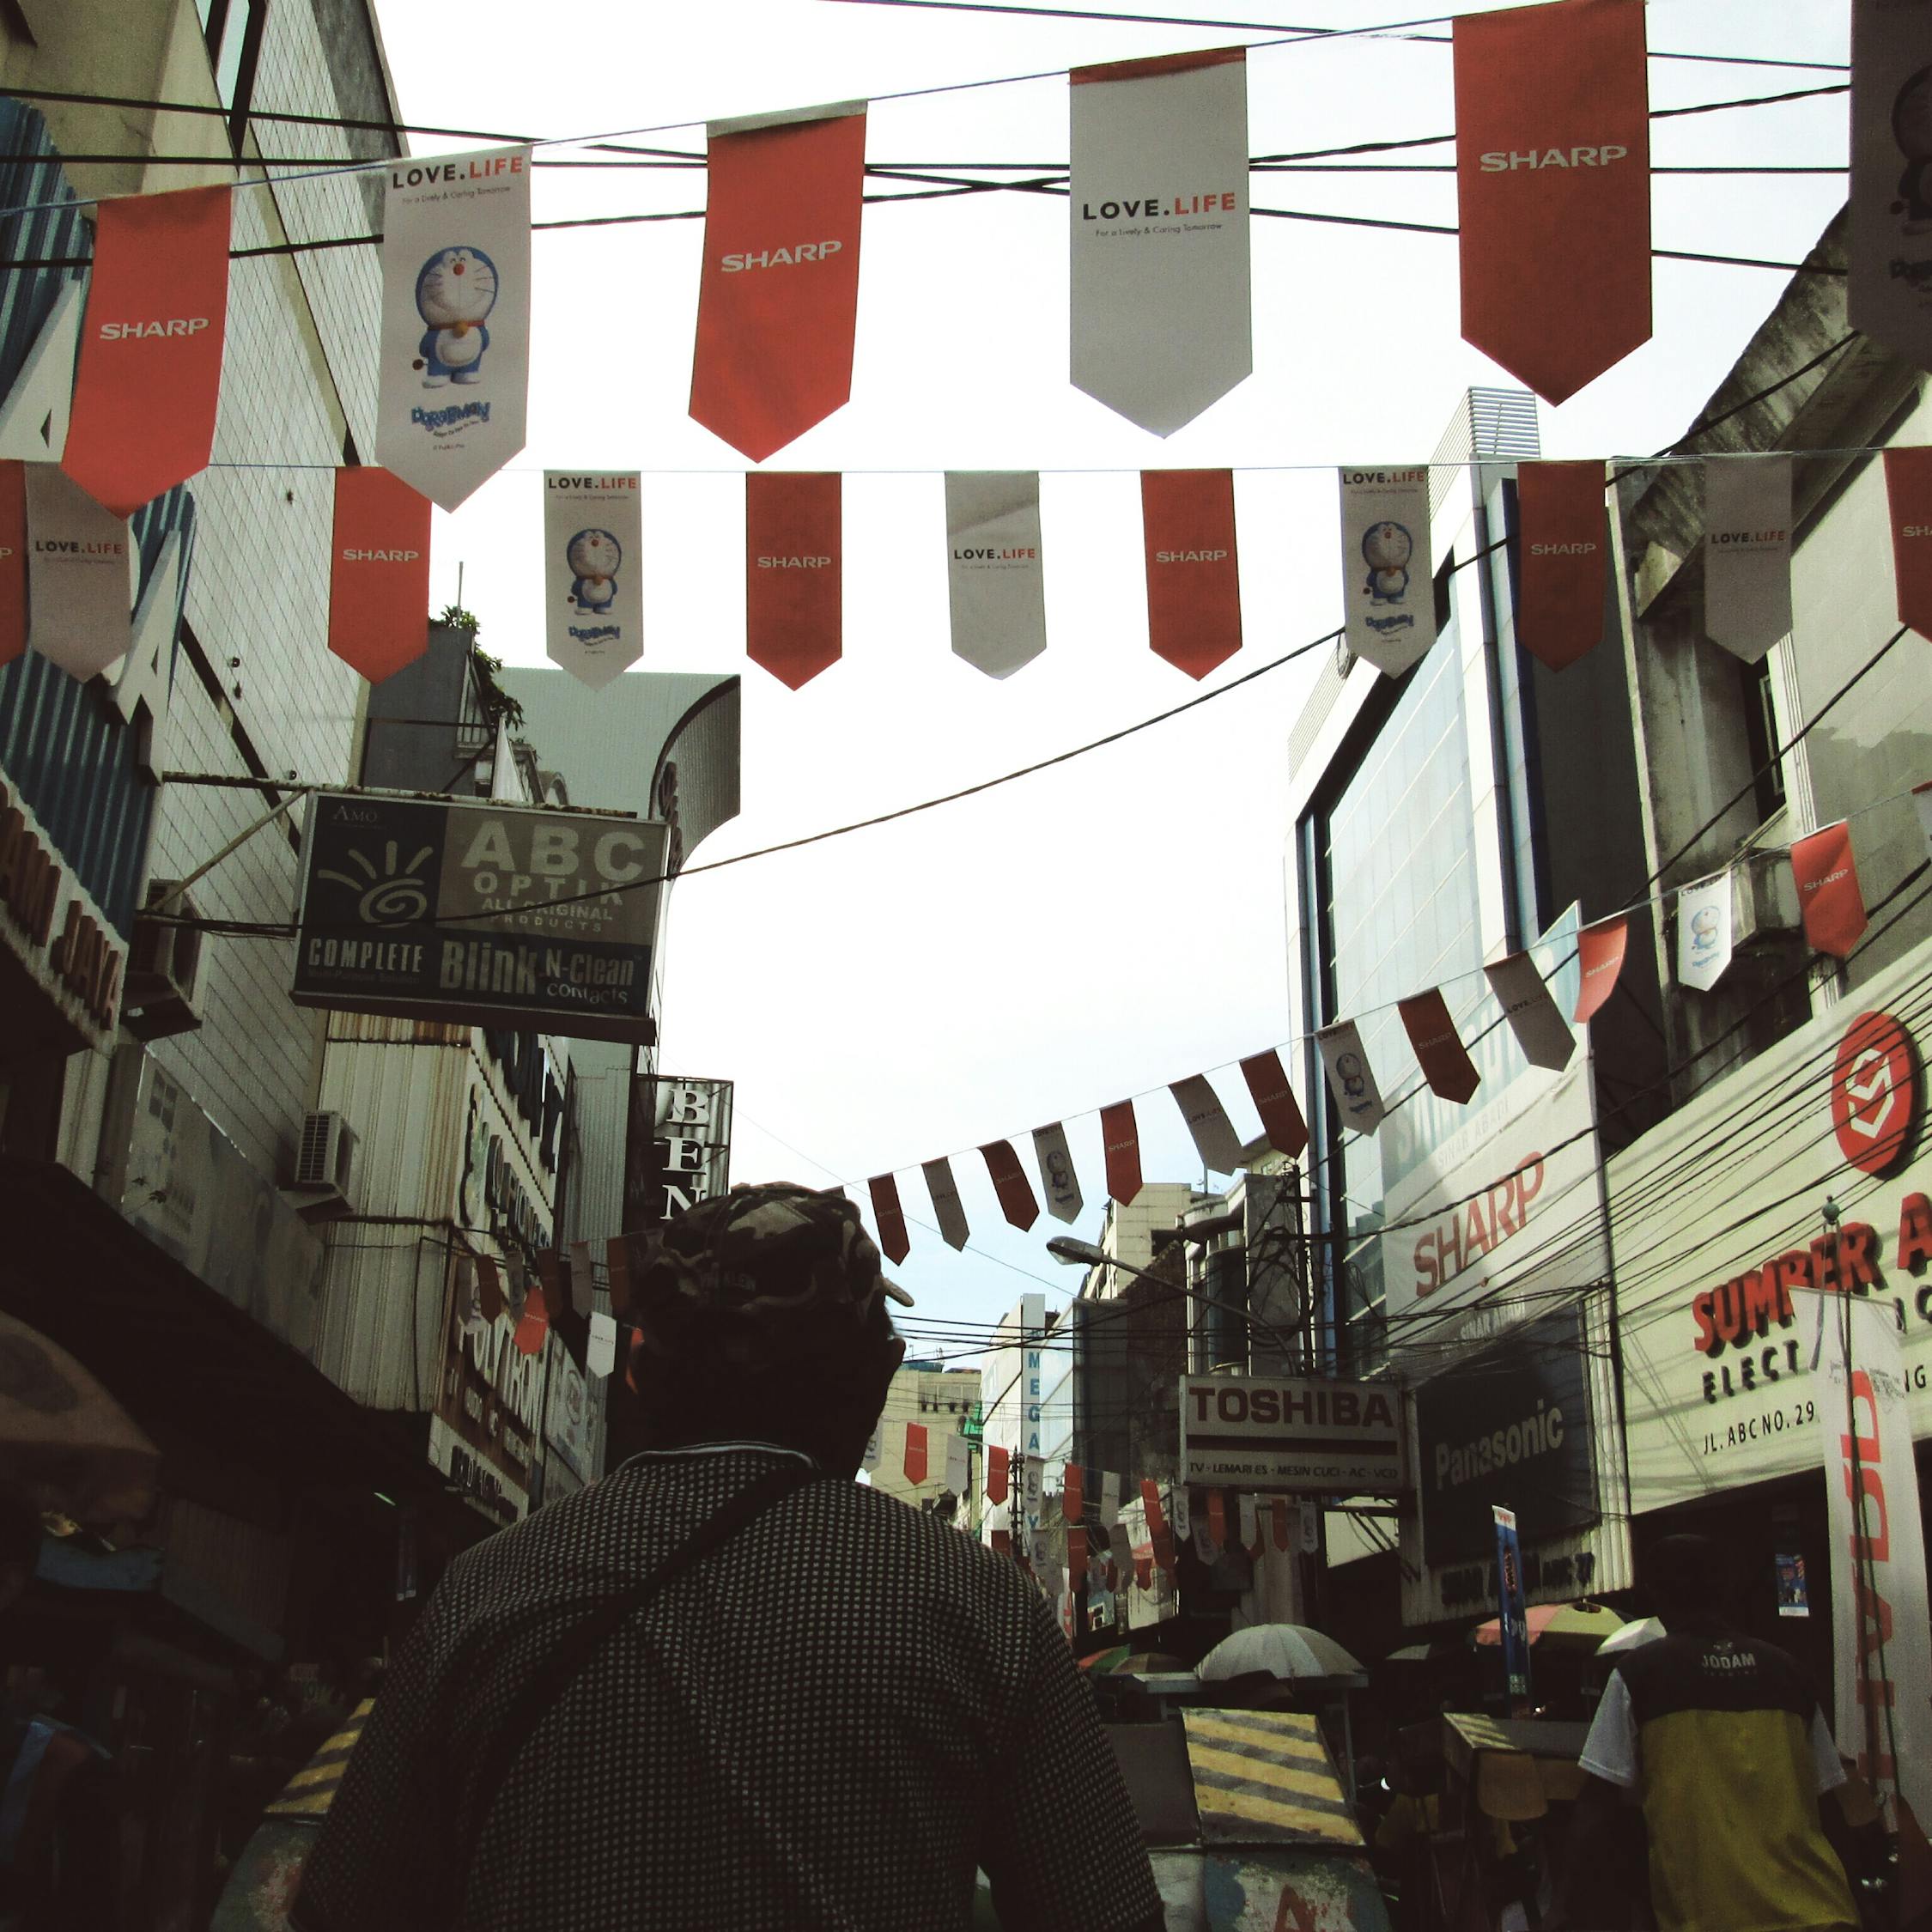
(679, 1150)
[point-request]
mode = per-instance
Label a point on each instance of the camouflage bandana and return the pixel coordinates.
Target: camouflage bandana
(758, 1276)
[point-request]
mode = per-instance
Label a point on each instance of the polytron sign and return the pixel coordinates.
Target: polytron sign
(1298, 1435)
(1875, 1093)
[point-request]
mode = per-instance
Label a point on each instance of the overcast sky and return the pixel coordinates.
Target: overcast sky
(1104, 929)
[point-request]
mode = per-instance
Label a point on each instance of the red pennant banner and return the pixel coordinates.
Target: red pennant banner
(1077, 1558)
(1072, 1493)
(13, 561)
(1010, 1184)
(378, 573)
(1553, 169)
(489, 1288)
(1144, 1573)
(1193, 574)
(550, 1272)
(1832, 906)
(1002, 1543)
(617, 1258)
(1121, 1138)
(1600, 958)
(1908, 494)
(1274, 1100)
(150, 366)
(915, 1453)
(778, 295)
(890, 1216)
(533, 1325)
(793, 551)
(1565, 553)
(1439, 1051)
(1163, 1550)
(996, 1475)
(1150, 1502)
(1278, 1522)
(1217, 1519)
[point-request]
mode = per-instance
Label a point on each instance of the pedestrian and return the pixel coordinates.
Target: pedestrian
(1721, 1739)
(727, 1686)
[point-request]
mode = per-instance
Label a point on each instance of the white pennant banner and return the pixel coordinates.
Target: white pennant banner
(1109, 1498)
(455, 320)
(1159, 209)
(948, 1210)
(1180, 1513)
(79, 575)
(600, 1353)
(1251, 1530)
(958, 1464)
(875, 1448)
(593, 549)
(1704, 933)
(1120, 1547)
(1351, 1080)
(1215, 1137)
(993, 576)
(1534, 1018)
(1747, 553)
(1890, 294)
(1388, 584)
(1057, 1178)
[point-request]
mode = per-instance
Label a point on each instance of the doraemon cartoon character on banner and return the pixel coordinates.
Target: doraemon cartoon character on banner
(1162, 309)
(593, 556)
(1704, 932)
(79, 591)
(1351, 1081)
(1891, 241)
(455, 320)
(1388, 584)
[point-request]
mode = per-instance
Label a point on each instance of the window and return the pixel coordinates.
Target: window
(233, 32)
(1760, 738)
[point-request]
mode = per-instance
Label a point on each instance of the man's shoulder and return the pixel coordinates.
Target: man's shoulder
(1727, 1671)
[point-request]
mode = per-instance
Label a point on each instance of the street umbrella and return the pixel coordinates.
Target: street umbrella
(1101, 1662)
(1283, 1650)
(1565, 1626)
(1645, 1630)
(1432, 1652)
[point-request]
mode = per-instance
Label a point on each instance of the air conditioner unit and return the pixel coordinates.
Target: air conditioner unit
(161, 993)
(1764, 909)
(323, 1164)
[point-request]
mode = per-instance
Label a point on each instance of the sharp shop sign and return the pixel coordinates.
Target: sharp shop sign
(480, 914)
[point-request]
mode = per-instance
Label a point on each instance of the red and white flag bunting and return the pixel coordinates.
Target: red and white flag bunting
(1162, 309)
(79, 584)
(1600, 959)
(1746, 553)
(995, 586)
(1534, 1018)
(593, 555)
(1150, 1502)
(1077, 1558)
(1072, 1493)
(1215, 1137)
(1121, 1138)
(1180, 1509)
(1552, 164)
(1829, 899)
(1439, 1051)
(1889, 294)
(1194, 569)
(1109, 1498)
(616, 1265)
(1217, 1519)
(1250, 1532)
(996, 1460)
(150, 364)
(959, 1464)
(533, 1325)
(582, 1282)
(1120, 1548)
(378, 573)
(1908, 492)
(1565, 554)
(1010, 1184)
(600, 1353)
(793, 573)
(489, 1288)
(1388, 590)
(1274, 1100)
(778, 295)
(915, 1453)
(1351, 1080)
(1278, 1522)
(890, 1217)
(13, 561)
(1057, 1177)
(948, 1210)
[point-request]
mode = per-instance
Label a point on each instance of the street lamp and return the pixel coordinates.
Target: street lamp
(1065, 1248)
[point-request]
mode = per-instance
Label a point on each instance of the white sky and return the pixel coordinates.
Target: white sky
(1104, 929)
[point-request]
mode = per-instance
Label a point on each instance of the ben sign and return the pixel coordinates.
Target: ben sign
(680, 1146)
(482, 915)
(1296, 1434)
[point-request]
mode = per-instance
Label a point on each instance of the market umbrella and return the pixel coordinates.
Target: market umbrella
(1645, 1630)
(1425, 1653)
(1104, 1661)
(1143, 1663)
(1569, 1626)
(1287, 1650)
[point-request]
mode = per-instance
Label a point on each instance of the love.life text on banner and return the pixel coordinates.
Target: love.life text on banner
(1704, 933)
(593, 558)
(1388, 585)
(1747, 553)
(79, 584)
(995, 583)
(455, 320)
(1890, 291)
(1157, 207)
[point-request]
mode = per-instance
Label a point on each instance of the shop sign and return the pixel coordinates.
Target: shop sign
(1293, 1435)
(480, 913)
(680, 1146)
(483, 1429)
(570, 1416)
(1717, 1217)
(57, 932)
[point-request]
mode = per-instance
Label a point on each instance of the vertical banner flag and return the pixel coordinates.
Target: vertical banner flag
(1215, 1137)
(533, 1325)
(793, 592)
(593, 549)
(80, 591)
(1274, 1100)
(1056, 1173)
(1564, 554)
(13, 559)
(583, 1284)
(1351, 1080)
(1746, 553)
(890, 1217)
(1120, 1547)
(875, 1447)
(1908, 491)
(948, 1210)
(1439, 1051)
(1534, 1018)
(601, 1357)
(1388, 584)
(1921, 801)
(993, 577)
(378, 573)
(1120, 1137)
(616, 1262)
(1553, 178)
(1109, 1498)
(959, 1464)
(1889, 297)
(1162, 310)
(1600, 959)
(455, 320)
(489, 1288)
(1218, 1519)
(1181, 1513)
(1278, 1522)
(915, 1453)
(1150, 1502)
(1879, 1613)
(1074, 1493)
(778, 295)
(1704, 933)
(995, 1474)
(1002, 1541)
(1513, 1614)
(1309, 1529)
(1829, 900)
(1194, 574)
(1077, 1558)
(1009, 1182)
(150, 364)
(1249, 1528)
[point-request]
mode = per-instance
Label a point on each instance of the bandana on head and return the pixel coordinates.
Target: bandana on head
(758, 1275)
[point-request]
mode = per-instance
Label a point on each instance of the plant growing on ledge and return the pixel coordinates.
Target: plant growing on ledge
(498, 706)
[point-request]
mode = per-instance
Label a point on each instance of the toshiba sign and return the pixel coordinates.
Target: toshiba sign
(1299, 1434)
